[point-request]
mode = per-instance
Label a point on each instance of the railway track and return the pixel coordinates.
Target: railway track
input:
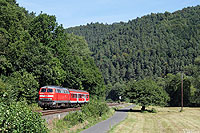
(113, 104)
(58, 111)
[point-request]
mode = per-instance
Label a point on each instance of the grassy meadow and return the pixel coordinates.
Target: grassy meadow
(166, 120)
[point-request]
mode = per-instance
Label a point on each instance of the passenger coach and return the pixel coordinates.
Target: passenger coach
(56, 96)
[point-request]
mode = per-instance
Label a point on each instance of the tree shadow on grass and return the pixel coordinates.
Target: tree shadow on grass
(134, 110)
(127, 110)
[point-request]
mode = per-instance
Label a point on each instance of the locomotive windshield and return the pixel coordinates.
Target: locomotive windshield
(49, 90)
(43, 90)
(46, 90)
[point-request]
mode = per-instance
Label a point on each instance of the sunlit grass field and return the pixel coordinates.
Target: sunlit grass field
(166, 120)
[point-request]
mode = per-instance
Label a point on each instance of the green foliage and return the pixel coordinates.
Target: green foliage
(35, 51)
(21, 86)
(41, 28)
(3, 91)
(17, 117)
(151, 46)
(173, 88)
(194, 71)
(94, 109)
(74, 118)
(116, 91)
(146, 92)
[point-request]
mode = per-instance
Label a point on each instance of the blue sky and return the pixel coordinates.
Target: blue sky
(72, 13)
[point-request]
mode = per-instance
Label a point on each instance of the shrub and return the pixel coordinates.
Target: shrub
(94, 109)
(74, 118)
(18, 117)
(109, 100)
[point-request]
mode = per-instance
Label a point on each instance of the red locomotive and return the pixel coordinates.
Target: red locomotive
(56, 96)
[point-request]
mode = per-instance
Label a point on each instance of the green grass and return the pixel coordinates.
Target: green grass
(60, 126)
(166, 120)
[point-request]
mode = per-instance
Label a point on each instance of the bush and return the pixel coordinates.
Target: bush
(109, 100)
(18, 117)
(74, 118)
(94, 109)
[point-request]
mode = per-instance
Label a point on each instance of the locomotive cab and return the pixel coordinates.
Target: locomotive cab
(47, 97)
(53, 97)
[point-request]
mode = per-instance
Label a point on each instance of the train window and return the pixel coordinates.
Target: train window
(74, 96)
(49, 90)
(79, 95)
(43, 90)
(87, 96)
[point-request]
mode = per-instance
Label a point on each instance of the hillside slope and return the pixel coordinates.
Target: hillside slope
(150, 46)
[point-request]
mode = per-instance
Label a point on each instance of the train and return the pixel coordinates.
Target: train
(57, 96)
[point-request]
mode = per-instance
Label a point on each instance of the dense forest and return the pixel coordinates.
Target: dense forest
(151, 46)
(35, 51)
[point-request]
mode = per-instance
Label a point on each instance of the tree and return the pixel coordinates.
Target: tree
(173, 88)
(194, 71)
(116, 91)
(146, 92)
(22, 86)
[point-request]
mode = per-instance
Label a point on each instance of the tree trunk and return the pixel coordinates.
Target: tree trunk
(143, 108)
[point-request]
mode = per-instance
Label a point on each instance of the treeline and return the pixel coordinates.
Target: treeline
(35, 51)
(152, 46)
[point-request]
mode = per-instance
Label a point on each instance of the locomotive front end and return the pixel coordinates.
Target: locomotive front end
(46, 97)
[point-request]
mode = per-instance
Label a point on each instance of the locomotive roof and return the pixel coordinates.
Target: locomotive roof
(56, 87)
(59, 87)
(77, 90)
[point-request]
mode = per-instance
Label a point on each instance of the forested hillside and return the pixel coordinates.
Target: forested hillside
(35, 51)
(151, 46)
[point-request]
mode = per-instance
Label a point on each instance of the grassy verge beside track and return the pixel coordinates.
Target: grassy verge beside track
(167, 120)
(69, 126)
(89, 115)
(63, 126)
